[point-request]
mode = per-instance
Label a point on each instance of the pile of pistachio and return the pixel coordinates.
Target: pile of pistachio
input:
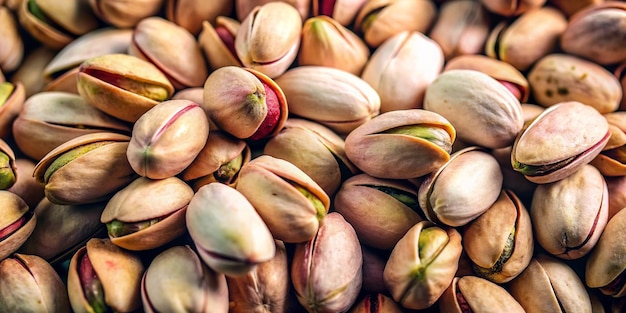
(312, 156)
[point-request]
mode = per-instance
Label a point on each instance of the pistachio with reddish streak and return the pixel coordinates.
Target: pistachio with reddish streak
(124, 14)
(475, 294)
(103, 277)
(167, 138)
(343, 11)
(376, 303)
(244, 102)
(229, 234)
(218, 42)
(17, 222)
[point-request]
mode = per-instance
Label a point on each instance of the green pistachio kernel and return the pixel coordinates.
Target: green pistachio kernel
(71, 155)
(436, 135)
(229, 170)
(317, 203)
(36, 11)
(536, 170)
(118, 229)
(7, 175)
(369, 19)
(405, 197)
(6, 89)
(504, 257)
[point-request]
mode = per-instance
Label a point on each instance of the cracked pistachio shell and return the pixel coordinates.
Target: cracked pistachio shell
(605, 265)
(244, 7)
(343, 11)
(500, 241)
(335, 249)
(265, 289)
(86, 169)
(51, 118)
(29, 284)
(511, 7)
(29, 72)
(376, 303)
(315, 149)
(558, 78)
(229, 234)
(220, 160)
(525, 40)
(12, 50)
(550, 285)
(379, 20)
(8, 167)
(402, 68)
(10, 108)
(411, 143)
(334, 98)
(476, 294)
(269, 38)
(569, 215)
(380, 210)
(611, 162)
(292, 205)
(501, 71)
(167, 138)
(191, 14)
(461, 27)
(147, 213)
(178, 281)
(122, 85)
(218, 42)
(597, 33)
(482, 110)
(462, 189)
(173, 49)
(55, 24)
(244, 102)
(422, 265)
(25, 185)
(17, 222)
(62, 229)
(559, 141)
(325, 42)
(116, 272)
(125, 14)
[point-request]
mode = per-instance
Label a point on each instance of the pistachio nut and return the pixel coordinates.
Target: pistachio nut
(617, 194)
(559, 141)
(461, 28)
(8, 167)
(178, 281)
(334, 98)
(380, 210)
(604, 269)
(244, 7)
(572, 7)
(315, 149)
(11, 103)
(325, 42)
(147, 213)
(482, 110)
(124, 14)
(50, 118)
(61, 72)
(376, 303)
(55, 25)
(123, 86)
(86, 169)
(17, 222)
(292, 205)
(461, 189)
(29, 284)
(229, 234)
(269, 38)
(265, 289)
(502, 71)
(29, 72)
(611, 160)
(402, 68)
(569, 215)
(422, 265)
(476, 294)
(103, 277)
(500, 241)
(378, 20)
(12, 51)
(558, 78)
(550, 285)
(167, 138)
(25, 185)
(596, 33)
(244, 102)
(218, 42)
(195, 95)
(62, 229)
(511, 7)
(335, 249)
(191, 14)
(172, 48)
(220, 160)
(343, 11)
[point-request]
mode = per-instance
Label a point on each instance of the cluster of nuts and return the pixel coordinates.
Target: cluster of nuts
(312, 156)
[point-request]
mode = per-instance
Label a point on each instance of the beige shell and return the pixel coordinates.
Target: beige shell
(16, 210)
(125, 14)
(191, 14)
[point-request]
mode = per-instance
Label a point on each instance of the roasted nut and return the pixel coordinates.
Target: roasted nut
(191, 14)
(218, 43)
(8, 169)
(12, 51)
(343, 11)
(475, 294)
(244, 7)
(124, 14)
(215, 217)
(167, 138)
(559, 141)
(17, 222)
